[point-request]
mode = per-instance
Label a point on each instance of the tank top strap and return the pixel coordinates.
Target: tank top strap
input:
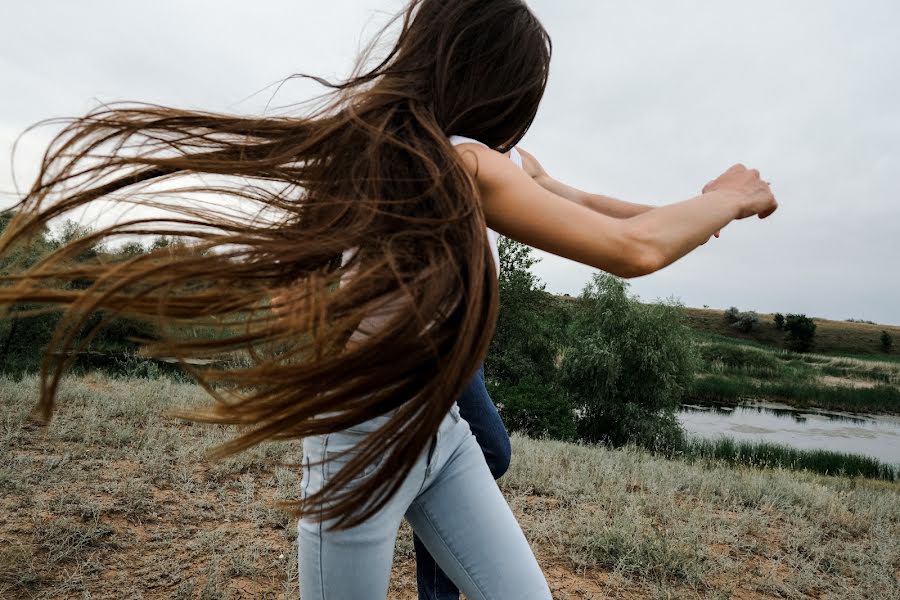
(459, 139)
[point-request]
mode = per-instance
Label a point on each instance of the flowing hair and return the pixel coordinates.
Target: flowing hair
(271, 205)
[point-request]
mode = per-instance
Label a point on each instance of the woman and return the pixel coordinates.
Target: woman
(374, 224)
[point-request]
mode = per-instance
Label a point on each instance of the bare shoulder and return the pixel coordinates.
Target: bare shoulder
(488, 167)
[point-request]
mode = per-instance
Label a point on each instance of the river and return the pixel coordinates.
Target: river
(872, 435)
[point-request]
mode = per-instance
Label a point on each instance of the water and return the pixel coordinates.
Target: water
(872, 435)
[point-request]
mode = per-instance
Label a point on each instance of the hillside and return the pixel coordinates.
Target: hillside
(837, 337)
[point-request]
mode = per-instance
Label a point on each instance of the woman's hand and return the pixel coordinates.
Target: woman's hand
(531, 165)
(754, 195)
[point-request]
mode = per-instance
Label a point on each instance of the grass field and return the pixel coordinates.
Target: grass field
(114, 501)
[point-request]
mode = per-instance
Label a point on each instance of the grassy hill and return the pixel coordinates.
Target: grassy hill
(832, 337)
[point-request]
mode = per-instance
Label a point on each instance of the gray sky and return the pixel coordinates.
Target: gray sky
(648, 100)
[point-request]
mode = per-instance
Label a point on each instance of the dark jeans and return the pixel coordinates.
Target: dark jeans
(476, 407)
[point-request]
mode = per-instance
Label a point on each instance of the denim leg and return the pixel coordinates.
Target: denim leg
(351, 563)
(477, 408)
(463, 519)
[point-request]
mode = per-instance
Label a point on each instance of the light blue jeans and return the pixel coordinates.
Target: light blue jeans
(454, 506)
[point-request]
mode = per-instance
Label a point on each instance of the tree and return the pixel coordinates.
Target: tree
(801, 333)
(887, 342)
(22, 337)
(536, 408)
(523, 344)
(627, 366)
(779, 321)
(746, 322)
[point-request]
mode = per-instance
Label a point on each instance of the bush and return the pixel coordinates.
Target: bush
(627, 366)
(524, 343)
(24, 335)
(746, 322)
(779, 321)
(738, 356)
(801, 333)
(538, 409)
(887, 342)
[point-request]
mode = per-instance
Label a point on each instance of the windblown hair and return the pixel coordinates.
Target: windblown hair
(269, 205)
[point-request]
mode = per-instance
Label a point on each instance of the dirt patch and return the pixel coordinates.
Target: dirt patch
(147, 518)
(844, 382)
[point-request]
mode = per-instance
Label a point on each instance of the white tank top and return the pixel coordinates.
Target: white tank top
(376, 321)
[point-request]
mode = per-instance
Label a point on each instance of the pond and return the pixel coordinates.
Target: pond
(810, 429)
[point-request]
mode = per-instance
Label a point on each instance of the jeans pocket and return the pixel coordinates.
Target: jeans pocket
(338, 458)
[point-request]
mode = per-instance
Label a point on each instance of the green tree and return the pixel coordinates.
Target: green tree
(627, 366)
(801, 333)
(24, 336)
(523, 345)
(779, 321)
(536, 408)
(520, 369)
(746, 322)
(887, 342)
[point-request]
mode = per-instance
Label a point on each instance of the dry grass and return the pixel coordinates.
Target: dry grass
(113, 501)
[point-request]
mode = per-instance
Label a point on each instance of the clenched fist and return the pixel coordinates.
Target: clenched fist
(755, 196)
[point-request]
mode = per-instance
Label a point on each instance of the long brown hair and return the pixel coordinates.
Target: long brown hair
(269, 204)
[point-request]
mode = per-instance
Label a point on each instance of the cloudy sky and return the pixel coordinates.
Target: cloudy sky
(648, 100)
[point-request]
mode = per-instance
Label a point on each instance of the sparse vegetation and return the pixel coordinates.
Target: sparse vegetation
(114, 500)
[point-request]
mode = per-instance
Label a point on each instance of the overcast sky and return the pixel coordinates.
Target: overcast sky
(648, 100)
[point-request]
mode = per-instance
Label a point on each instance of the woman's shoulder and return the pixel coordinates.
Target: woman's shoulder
(484, 164)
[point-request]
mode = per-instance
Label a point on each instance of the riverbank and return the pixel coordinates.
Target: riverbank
(112, 501)
(735, 372)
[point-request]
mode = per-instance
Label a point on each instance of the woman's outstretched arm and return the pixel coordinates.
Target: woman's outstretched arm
(606, 205)
(518, 207)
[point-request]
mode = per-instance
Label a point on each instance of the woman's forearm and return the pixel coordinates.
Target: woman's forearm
(606, 205)
(670, 232)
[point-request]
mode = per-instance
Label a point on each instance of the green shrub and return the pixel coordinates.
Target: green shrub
(779, 321)
(538, 409)
(801, 333)
(780, 456)
(524, 344)
(887, 342)
(746, 322)
(732, 314)
(743, 359)
(627, 366)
